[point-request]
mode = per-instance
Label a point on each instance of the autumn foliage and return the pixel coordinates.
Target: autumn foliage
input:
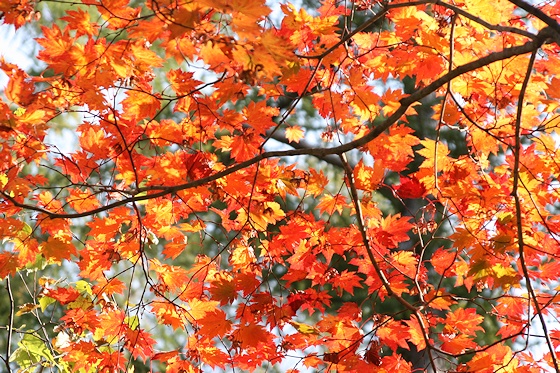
(408, 220)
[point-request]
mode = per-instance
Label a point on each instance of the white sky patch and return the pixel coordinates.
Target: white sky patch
(16, 47)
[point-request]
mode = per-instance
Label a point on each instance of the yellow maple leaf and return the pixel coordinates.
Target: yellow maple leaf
(434, 151)
(261, 216)
(294, 133)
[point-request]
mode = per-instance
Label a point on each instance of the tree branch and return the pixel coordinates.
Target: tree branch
(534, 11)
(329, 158)
(482, 22)
(320, 153)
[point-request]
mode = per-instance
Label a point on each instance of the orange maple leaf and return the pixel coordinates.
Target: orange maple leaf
(80, 21)
(21, 87)
(56, 250)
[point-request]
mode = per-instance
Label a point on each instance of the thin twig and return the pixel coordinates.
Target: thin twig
(365, 239)
(10, 324)
(518, 211)
(444, 101)
(480, 21)
(386, 284)
(349, 36)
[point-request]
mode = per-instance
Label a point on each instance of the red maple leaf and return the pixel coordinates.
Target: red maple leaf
(411, 188)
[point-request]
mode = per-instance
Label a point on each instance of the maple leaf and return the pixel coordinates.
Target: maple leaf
(254, 9)
(214, 324)
(117, 13)
(56, 45)
(298, 81)
(112, 286)
(252, 335)
(198, 309)
(465, 321)
(405, 262)
(56, 250)
(416, 334)
(439, 301)
(9, 264)
(393, 230)
(84, 354)
(261, 216)
(482, 363)
(182, 82)
(140, 343)
(391, 101)
(174, 278)
(139, 105)
(212, 355)
(330, 204)
(165, 356)
(411, 187)
(223, 288)
(368, 178)
(17, 12)
(82, 201)
(312, 361)
(93, 138)
(21, 88)
(80, 21)
(347, 281)
(394, 335)
(456, 344)
(259, 116)
(173, 249)
(350, 311)
(243, 148)
(394, 150)
(63, 295)
(294, 133)
(168, 314)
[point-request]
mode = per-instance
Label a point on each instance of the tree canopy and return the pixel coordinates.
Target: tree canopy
(234, 185)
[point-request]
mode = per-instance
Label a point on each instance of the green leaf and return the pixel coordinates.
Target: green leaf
(81, 302)
(31, 351)
(26, 230)
(44, 302)
(83, 287)
(132, 322)
(39, 264)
